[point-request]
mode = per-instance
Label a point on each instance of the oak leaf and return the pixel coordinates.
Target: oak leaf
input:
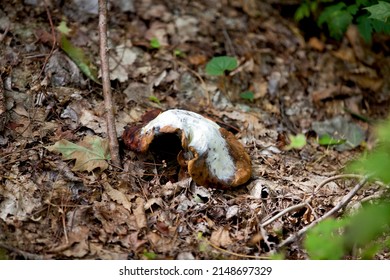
(92, 152)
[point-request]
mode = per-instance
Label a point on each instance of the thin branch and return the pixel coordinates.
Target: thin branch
(341, 176)
(285, 211)
(202, 82)
(109, 108)
(26, 255)
(54, 38)
(235, 254)
(346, 199)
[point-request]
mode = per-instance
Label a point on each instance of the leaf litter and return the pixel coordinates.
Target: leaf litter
(75, 205)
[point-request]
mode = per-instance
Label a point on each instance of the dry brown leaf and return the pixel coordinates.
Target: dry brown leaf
(117, 196)
(160, 244)
(155, 200)
(19, 198)
(316, 44)
(221, 238)
(139, 213)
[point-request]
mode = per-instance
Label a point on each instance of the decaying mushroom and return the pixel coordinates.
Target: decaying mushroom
(211, 154)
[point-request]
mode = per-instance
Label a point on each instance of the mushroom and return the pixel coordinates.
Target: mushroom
(211, 154)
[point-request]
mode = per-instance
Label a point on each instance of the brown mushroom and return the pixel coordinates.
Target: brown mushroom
(212, 155)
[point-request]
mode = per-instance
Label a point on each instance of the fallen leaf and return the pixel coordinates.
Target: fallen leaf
(120, 61)
(19, 198)
(92, 152)
(316, 44)
(221, 238)
(117, 196)
(79, 57)
(139, 213)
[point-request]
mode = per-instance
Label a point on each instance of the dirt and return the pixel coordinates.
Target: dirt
(301, 81)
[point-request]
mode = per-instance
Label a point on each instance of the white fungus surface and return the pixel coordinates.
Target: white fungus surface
(202, 134)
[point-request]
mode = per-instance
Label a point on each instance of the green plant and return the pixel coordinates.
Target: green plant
(77, 54)
(327, 140)
(366, 232)
(369, 16)
(376, 163)
(154, 99)
(248, 95)
(155, 43)
(296, 142)
(220, 66)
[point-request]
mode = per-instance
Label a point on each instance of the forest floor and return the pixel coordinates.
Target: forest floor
(301, 82)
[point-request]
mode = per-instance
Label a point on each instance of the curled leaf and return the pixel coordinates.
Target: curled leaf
(211, 154)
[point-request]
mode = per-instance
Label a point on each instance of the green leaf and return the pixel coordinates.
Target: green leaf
(296, 142)
(218, 65)
(178, 53)
(352, 9)
(380, 26)
(63, 28)
(365, 28)
(329, 12)
(79, 57)
(324, 242)
(302, 12)
(150, 255)
(339, 23)
(380, 11)
(92, 152)
(377, 164)
(155, 43)
(369, 224)
(341, 128)
(248, 95)
(337, 18)
(154, 99)
(327, 140)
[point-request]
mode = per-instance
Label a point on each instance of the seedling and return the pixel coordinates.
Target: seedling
(327, 140)
(296, 142)
(247, 95)
(220, 66)
(178, 53)
(155, 43)
(154, 99)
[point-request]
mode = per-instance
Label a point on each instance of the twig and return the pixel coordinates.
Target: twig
(341, 176)
(3, 108)
(285, 211)
(53, 35)
(109, 108)
(2, 36)
(25, 254)
(346, 199)
(307, 202)
(236, 254)
(264, 234)
(202, 82)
